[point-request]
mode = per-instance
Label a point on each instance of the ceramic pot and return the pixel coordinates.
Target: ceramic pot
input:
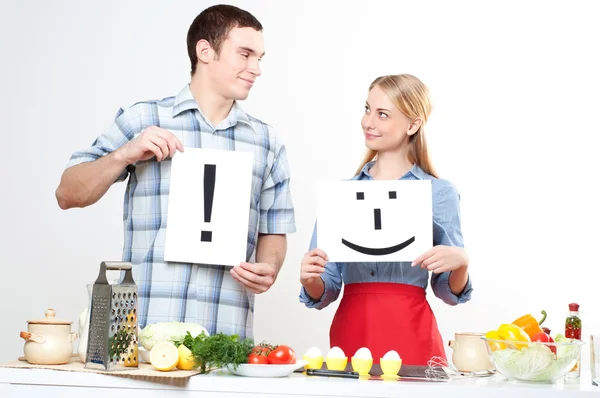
(470, 352)
(48, 341)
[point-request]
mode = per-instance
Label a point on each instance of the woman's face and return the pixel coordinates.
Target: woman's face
(385, 127)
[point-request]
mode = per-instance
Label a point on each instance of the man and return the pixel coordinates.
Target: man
(225, 45)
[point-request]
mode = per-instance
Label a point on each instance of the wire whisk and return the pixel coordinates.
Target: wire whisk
(439, 369)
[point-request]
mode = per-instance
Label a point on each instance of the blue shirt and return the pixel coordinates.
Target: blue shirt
(446, 231)
(170, 291)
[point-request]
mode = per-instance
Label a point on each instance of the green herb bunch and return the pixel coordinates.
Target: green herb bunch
(218, 350)
(119, 343)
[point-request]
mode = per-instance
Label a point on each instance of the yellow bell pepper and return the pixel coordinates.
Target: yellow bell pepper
(511, 332)
(529, 324)
(494, 346)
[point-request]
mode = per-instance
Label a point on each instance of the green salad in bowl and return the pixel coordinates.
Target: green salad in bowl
(534, 361)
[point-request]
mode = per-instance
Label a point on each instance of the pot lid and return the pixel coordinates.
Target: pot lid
(50, 319)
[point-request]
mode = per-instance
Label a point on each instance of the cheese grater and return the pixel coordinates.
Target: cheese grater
(112, 338)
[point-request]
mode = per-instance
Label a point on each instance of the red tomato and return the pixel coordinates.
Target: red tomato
(263, 349)
(257, 359)
(282, 355)
(540, 337)
(543, 337)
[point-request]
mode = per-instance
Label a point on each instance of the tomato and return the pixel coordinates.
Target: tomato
(263, 349)
(543, 337)
(257, 359)
(540, 337)
(282, 355)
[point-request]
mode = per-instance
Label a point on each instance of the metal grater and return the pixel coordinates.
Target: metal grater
(112, 339)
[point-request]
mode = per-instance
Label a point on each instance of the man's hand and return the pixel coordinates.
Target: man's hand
(258, 277)
(153, 141)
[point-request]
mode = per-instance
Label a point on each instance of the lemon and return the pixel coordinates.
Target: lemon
(164, 356)
(186, 359)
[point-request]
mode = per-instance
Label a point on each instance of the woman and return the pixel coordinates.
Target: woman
(384, 306)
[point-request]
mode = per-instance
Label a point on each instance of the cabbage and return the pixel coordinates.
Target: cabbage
(536, 362)
(168, 332)
(566, 353)
(528, 363)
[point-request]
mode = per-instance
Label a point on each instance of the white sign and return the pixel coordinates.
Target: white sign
(369, 221)
(209, 206)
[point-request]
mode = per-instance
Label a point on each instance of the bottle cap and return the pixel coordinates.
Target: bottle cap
(573, 307)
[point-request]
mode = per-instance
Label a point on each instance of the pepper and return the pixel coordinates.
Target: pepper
(494, 345)
(530, 325)
(509, 331)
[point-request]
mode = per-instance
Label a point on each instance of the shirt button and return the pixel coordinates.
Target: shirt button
(372, 273)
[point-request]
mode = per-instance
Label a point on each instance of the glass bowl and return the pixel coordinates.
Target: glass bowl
(533, 361)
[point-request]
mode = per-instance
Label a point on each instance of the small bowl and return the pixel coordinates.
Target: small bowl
(361, 365)
(313, 363)
(144, 354)
(533, 361)
(390, 367)
(336, 363)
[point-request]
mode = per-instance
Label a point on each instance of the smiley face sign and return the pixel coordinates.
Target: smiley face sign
(368, 221)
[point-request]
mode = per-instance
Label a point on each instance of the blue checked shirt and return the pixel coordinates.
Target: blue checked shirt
(446, 231)
(169, 291)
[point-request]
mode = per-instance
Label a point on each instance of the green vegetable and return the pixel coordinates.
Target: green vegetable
(566, 353)
(536, 362)
(119, 344)
(217, 351)
(168, 332)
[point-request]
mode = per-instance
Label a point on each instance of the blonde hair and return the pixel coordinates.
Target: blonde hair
(411, 97)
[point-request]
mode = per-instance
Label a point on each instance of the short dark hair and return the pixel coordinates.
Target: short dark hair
(214, 24)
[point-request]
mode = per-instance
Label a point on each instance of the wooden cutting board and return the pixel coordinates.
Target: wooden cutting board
(145, 371)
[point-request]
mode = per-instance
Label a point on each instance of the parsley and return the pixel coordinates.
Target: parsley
(218, 350)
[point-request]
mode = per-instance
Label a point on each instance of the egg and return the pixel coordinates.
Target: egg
(313, 358)
(336, 352)
(393, 355)
(336, 359)
(363, 353)
(313, 352)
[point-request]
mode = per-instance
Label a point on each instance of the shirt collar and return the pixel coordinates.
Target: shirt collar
(415, 171)
(185, 101)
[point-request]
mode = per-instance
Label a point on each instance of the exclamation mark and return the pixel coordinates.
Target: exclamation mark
(210, 171)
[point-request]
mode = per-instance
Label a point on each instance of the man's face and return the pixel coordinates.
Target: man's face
(235, 69)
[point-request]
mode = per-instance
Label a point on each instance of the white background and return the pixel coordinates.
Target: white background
(515, 126)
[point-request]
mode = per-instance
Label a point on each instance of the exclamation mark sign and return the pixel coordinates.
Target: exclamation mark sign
(210, 171)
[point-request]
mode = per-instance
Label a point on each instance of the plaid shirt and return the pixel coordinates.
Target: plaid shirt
(204, 294)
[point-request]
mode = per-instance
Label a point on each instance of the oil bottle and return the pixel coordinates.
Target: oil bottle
(573, 331)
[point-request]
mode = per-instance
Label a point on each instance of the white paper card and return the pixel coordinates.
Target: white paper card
(205, 231)
(369, 221)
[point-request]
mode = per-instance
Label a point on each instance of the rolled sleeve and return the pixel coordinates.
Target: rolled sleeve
(441, 288)
(447, 231)
(121, 131)
(332, 279)
(276, 207)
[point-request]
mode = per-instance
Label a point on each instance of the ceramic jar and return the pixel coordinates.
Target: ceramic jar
(48, 341)
(470, 352)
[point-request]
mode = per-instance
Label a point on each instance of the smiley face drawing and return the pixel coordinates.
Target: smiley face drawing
(380, 251)
(377, 220)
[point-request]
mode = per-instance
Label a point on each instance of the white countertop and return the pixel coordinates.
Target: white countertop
(52, 383)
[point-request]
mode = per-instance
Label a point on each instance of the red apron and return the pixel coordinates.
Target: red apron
(384, 317)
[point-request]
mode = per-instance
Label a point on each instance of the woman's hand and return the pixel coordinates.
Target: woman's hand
(442, 259)
(313, 265)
